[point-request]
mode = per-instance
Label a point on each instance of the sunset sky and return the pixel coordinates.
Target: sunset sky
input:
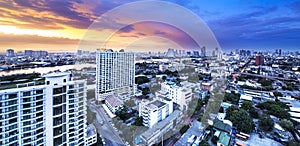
(59, 25)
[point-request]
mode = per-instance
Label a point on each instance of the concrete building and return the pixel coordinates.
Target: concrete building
(44, 111)
(180, 94)
(35, 53)
(259, 60)
(155, 134)
(114, 74)
(113, 103)
(155, 111)
(10, 53)
(91, 137)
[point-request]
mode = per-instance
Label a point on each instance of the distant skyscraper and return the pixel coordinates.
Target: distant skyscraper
(280, 51)
(28, 52)
(45, 111)
(203, 51)
(170, 53)
(259, 60)
(196, 53)
(114, 74)
(10, 53)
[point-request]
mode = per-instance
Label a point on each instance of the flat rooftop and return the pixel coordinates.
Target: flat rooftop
(21, 80)
(160, 125)
(157, 103)
(91, 130)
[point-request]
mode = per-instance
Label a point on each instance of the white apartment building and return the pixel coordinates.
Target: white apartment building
(179, 94)
(45, 111)
(114, 74)
(155, 111)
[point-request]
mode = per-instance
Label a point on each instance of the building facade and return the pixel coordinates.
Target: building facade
(155, 111)
(10, 53)
(114, 74)
(179, 94)
(51, 113)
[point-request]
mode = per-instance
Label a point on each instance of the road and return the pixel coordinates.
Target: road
(104, 126)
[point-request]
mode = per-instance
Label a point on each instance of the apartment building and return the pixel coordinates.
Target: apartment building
(155, 111)
(50, 110)
(180, 94)
(114, 74)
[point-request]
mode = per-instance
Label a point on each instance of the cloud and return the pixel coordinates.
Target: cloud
(158, 32)
(11, 40)
(127, 29)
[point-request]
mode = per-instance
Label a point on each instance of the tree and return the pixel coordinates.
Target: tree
(287, 124)
(278, 109)
(265, 82)
(138, 121)
(247, 105)
(141, 80)
(214, 139)
(277, 94)
(240, 118)
(266, 123)
(232, 97)
(164, 78)
(253, 113)
(204, 143)
(184, 129)
(293, 143)
(91, 116)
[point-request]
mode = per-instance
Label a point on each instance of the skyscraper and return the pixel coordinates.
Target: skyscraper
(259, 60)
(114, 74)
(44, 111)
(10, 53)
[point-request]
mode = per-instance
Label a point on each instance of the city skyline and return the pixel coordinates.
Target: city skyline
(60, 25)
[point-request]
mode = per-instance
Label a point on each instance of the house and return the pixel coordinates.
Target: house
(113, 103)
(225, 125)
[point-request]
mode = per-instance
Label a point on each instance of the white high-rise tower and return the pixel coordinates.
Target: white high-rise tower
(114, 74)
(44, 111)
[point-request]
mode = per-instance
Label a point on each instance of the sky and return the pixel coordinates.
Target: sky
(59, 25)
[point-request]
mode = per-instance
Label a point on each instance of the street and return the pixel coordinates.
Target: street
(104, 127)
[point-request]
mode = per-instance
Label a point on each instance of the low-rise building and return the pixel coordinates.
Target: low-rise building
(180, 94)
(113, 103)
(154, 135)
(91, 137)
(155, 111)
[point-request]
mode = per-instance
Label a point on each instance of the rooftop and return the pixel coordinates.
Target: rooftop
(218, 124)
(113, 100)
(159, 126)
(196, 129)
(224, 139)
(91, 130)
(158, 103)
(21, 80)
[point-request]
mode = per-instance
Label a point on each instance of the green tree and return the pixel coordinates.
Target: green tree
(138, 121)
(204, 143)
(232, 97)
(241, 119)
(184, 129)
(277, 94)
(266, 123)
(293, 143)
(91, 116)
(141, 80)
(214, 139)
(164, 78)
(287, 124)
(247, 105)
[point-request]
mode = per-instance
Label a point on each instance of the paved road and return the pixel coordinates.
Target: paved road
(104, 127)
